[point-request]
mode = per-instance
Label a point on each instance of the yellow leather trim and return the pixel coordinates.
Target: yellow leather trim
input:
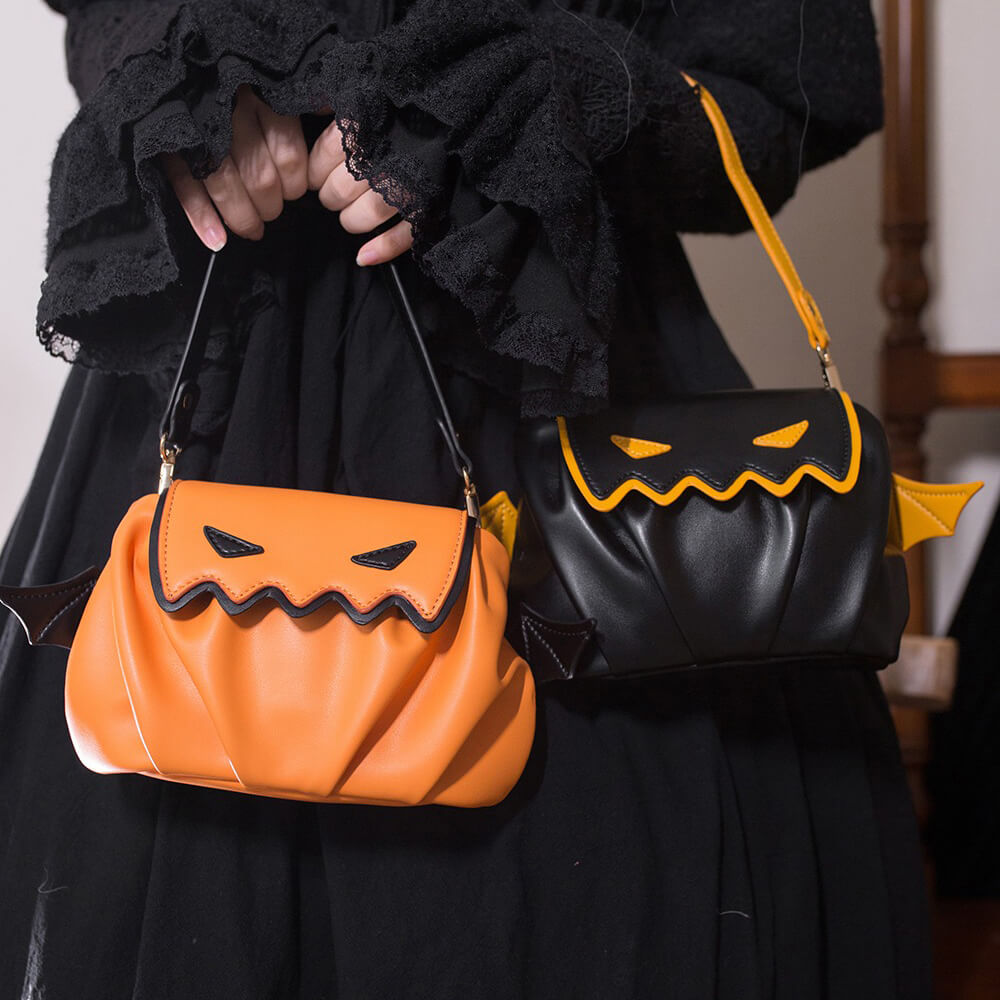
(925, 510)
(804, 303)
(784, 437)
(499, 516)
(781, 489)
(637, 448)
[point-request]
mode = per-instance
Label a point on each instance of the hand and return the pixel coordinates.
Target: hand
(266, 166)
(361, 209)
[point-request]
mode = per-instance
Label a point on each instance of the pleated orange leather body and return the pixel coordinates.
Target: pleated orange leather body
(303, 645)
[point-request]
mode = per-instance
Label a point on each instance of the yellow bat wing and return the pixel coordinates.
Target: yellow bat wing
(925, 510)
(499, 516)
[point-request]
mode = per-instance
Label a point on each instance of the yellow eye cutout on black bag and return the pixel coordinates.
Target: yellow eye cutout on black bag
(733, 527)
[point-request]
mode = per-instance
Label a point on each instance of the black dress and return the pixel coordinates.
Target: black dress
(728, 834)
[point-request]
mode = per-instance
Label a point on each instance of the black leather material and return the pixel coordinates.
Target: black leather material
(699, 582)
(229, 546)
(175, 424)
(385, 558)
(51, 614)
(713, 440)
(554, 649)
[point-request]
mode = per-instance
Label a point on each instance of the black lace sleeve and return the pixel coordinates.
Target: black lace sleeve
(514, 135)
(800, 85)
(153, 76)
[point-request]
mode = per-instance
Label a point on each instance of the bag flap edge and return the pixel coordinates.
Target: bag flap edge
(664, 498)
(426, 624)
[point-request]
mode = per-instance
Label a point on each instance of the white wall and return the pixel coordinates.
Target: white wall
(830, 227)
(36, 103)
(963, 259)
(830, 231)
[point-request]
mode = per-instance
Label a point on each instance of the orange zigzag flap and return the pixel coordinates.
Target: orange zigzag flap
(303, 549)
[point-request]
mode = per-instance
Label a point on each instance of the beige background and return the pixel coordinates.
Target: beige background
(37, 102)
(830, 227)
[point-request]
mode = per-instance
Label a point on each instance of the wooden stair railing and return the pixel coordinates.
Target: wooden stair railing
(915, 382)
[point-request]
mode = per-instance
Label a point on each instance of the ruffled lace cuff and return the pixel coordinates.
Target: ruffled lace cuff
(451, 114)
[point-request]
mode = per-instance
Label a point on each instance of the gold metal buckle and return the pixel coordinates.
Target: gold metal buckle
(168, 459)
(471, 496)
(831, 375)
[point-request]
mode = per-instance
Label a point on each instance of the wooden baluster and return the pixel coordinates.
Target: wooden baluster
(904, 357)
(914, 382)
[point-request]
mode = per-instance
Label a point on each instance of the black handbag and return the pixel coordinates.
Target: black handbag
(732, 527)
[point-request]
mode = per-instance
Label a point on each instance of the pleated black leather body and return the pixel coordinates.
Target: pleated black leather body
(742, 527)
(737, 527)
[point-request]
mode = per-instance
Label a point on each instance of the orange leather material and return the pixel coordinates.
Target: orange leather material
(783, 437)
(759, 218)
(637, 448)
(308, 541)
(314, 707)
(925, 510)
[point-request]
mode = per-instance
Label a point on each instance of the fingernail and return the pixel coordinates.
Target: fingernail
(366, 255)
(215, 239)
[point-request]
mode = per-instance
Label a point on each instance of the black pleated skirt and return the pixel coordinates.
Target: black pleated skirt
(737, 835)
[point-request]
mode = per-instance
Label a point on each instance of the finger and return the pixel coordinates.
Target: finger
(387, 245)
(196, 203)
(327, 153)
(363, 215)
(253, 161)
(341, 189)
(235, 205)
(287, 146)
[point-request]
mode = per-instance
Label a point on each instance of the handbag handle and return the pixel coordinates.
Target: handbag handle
(175, 425)
(805, 304)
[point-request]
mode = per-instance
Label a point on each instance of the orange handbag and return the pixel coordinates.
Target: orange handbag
(291, 643)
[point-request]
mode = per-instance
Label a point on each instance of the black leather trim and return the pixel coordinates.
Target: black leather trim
(229, 546)
(275, 594)
(386, 558)
(50, 615)
(175, 424)
(553, 649)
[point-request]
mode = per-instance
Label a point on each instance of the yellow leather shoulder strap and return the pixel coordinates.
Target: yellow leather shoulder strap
(804, 303)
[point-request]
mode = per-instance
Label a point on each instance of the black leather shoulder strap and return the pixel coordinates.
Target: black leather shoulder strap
(175, 425)
(461, 461)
